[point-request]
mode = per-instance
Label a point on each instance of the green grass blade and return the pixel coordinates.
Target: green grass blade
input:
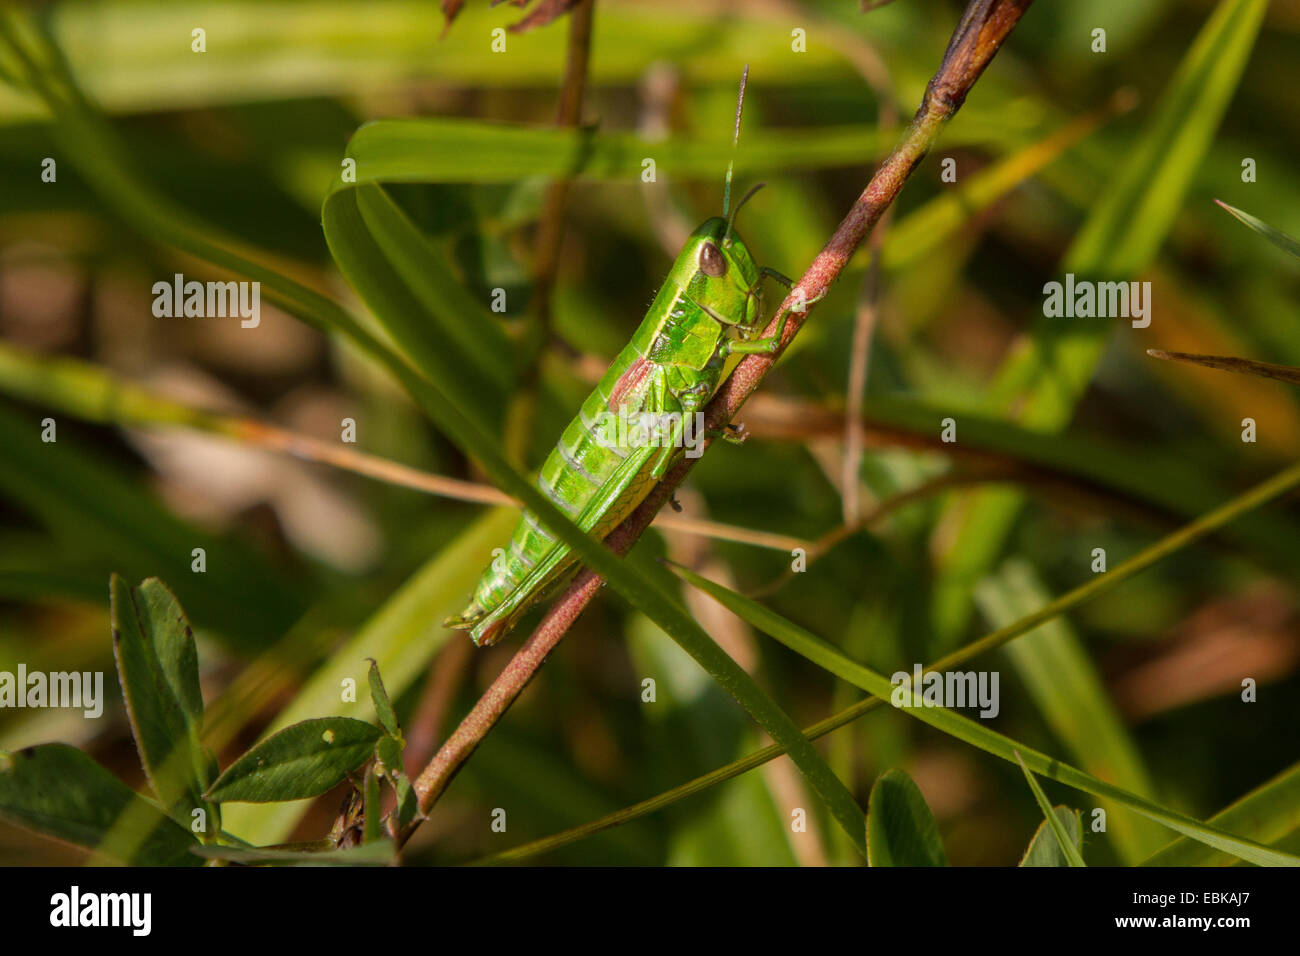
(1063, 839)
(1099, 584)
(130, 60)
(1069, 694)
(1047, 374)
(920, 233)
(449, 338)
(447, 149)
(901, 830)
(99, 512)
(1269, 814)
(1275, 236)
(829, 658)
(1137, 210)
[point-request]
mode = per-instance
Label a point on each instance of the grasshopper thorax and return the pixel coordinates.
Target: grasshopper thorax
(721, 276)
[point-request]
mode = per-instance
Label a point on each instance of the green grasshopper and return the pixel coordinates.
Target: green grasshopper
(709, 307)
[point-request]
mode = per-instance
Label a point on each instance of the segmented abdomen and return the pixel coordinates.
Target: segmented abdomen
(575, 470)
(676, 344)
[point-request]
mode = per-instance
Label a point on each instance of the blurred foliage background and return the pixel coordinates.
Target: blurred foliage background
(1063, 156)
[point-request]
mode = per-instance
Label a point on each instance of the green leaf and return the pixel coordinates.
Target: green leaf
(1136, 211)
(129, 62)
(1045, 848)
(901, 830)
(383, 706)
(300, 761)
(456, 150)
(403, 635)
(395, 271)
(1275, 236)
(158, 667)
(1064, 841)
(378, 853)
(57, 790)
(829, 658)
(389, 752)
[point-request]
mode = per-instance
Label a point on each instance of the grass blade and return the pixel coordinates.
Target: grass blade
(829, 658)
(1063, 839)
(1047, 374)
(1226, 363)
(1045, 847)
(1269, 814)
(383, 706)
(1275, 236)
(1214, 520)
(96, 509)
(1069, 693)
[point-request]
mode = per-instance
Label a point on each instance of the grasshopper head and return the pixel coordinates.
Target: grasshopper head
(724, 278)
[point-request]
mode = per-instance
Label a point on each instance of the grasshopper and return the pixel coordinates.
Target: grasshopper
(709, 307)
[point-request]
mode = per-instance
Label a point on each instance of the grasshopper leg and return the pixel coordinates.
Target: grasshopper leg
(668, 451)
(759, 346)
(733, 433)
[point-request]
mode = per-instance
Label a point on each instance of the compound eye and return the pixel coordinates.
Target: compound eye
(712, 262)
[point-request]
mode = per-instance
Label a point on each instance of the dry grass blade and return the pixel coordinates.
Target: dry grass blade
(1228, 363)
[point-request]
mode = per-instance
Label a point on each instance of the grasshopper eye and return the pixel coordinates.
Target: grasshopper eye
(712, 262)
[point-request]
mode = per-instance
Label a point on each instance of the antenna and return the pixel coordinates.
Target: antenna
(740, 105)
(743, 199)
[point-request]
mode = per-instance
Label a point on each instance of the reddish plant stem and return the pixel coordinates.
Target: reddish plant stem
(983, 27)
